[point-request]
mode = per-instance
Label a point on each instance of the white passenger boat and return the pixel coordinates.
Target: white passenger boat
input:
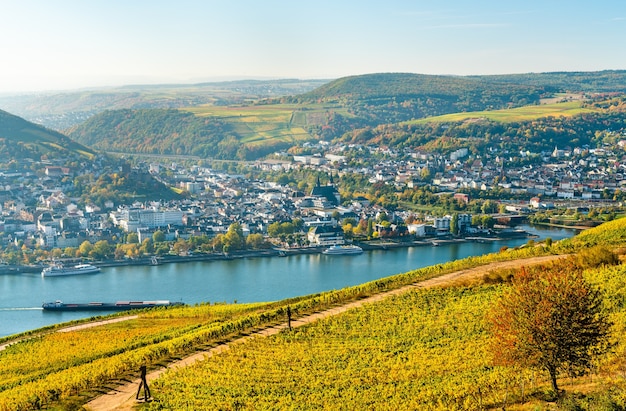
(343, 250)
(59, 270)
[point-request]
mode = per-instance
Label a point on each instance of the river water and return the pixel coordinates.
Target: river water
(238, 280)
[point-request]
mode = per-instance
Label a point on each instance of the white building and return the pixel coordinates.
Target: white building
(131, 219)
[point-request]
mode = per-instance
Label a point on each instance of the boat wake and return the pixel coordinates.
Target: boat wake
(21, 309)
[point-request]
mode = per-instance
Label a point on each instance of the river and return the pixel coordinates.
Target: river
(239, 280)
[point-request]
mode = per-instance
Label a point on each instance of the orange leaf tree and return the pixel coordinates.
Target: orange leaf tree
(551, 319)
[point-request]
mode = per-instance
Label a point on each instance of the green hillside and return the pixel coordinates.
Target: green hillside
(352, 109)
(518, 114)
(533, 128)
(606, 81)
(22, 139)
(215, 132)
(462, 93)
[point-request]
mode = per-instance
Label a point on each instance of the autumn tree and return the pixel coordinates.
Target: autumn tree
(181, 247)
(132, 238)
(85, 248)
(255, 241)
(101, 249)
(234, 238)
(158, 236)
(550, 319)
(454, 224)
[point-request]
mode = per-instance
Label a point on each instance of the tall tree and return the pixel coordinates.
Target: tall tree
(454, 224)
(550, 319)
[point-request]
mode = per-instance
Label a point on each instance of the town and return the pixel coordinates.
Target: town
(268, 214)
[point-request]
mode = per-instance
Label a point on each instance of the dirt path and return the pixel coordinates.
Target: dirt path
(73, 328)
(123, 398)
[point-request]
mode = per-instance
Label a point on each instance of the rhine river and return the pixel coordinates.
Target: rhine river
(239, 280)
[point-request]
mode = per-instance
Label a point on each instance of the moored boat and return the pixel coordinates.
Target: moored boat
(99, 306)
(59, 269)
(343, 250)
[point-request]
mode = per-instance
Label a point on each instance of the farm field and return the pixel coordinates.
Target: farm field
(526, 113)
(262, 123)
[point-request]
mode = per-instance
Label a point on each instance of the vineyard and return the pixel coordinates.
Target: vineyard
(419, 349)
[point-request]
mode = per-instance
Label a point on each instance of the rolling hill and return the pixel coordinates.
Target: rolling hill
(62, 110)
(22, 139)
(351, 108)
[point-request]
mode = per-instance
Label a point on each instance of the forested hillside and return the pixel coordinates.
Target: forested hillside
(371, 109)
(590, 127)
(607, 81)
(21, 139)
(153, 131)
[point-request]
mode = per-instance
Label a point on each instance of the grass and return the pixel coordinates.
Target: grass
(263, 123)
(527, 113)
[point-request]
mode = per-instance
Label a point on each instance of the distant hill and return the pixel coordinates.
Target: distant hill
(464, 93)
(159, 131)
(22, 139)
(62, 110)
(350, 108)
(607, 81)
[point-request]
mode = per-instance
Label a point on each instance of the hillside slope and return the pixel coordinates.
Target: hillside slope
(22, 139)
(350, 108)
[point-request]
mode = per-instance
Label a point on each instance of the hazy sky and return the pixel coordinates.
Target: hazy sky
(62, 44)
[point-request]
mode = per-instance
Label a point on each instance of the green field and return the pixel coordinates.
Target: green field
(527, 113)
(262, 123)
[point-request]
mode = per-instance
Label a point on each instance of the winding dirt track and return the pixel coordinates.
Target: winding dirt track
(123, 397)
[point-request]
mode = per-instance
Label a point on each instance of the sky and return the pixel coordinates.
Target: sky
(67, 44)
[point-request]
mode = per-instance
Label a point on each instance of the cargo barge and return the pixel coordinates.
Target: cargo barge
(116, 306)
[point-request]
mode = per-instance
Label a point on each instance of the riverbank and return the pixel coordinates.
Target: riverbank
(378, 244)
(237, 278)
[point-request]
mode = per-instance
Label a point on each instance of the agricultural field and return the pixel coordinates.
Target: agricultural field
(426, 349)
(420, 350)
(526, 113)
(262, 123)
